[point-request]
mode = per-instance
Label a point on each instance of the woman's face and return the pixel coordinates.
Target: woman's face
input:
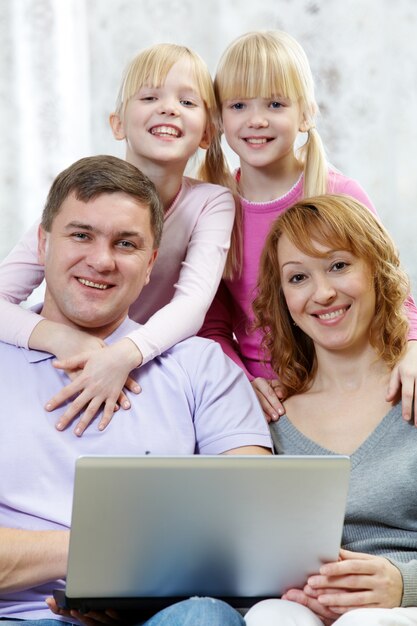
(331, 298)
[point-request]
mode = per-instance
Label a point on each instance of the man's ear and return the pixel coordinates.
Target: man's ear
(42, 244)
(150, 266)
(117, 126)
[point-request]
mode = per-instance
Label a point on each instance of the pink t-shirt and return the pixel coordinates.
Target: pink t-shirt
(230, 316)
(191, 258)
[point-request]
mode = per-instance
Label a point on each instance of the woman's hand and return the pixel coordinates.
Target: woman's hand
(98, 377)
(269, 395)
(404, 378)
(357, 580)
(310, 601)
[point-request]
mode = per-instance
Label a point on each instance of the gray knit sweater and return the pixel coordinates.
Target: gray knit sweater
(381, 512)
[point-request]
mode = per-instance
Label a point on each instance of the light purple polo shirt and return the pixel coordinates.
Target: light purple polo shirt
(194, 400)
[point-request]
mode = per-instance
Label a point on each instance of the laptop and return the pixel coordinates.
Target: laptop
(149, 531)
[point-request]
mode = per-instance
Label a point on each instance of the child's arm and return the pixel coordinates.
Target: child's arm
(404, 375)
(218, 325)
(198, 280)
(20, 274)
(181, 318)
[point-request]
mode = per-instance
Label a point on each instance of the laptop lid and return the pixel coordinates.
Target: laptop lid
(148, 531)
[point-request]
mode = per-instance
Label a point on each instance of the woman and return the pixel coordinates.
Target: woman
(332, 290)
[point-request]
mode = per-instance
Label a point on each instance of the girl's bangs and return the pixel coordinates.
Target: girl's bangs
(150, 68)
(257, 75)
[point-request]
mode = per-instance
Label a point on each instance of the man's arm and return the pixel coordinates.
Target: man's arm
(249, 450)
(31, 557)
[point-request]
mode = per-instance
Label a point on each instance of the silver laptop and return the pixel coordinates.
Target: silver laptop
(149, 531)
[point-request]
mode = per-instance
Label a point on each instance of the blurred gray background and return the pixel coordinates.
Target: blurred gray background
(61, 63)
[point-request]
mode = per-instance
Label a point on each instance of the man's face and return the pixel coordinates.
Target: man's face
(98, 257)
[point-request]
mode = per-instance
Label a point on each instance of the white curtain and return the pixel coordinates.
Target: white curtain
(61, 62)
(45, 90)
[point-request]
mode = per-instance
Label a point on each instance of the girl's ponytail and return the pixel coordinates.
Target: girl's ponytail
(215, 169)
(314, 159)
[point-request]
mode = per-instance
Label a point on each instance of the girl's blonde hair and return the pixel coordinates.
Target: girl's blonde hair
(150, 68)
(344, 224)
(262, 64)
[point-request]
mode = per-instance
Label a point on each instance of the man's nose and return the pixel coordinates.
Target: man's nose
(101, 258)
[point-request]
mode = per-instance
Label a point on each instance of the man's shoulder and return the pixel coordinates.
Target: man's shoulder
(198, 358)
(194, 348)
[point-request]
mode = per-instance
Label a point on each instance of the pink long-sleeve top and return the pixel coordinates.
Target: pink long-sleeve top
(230, 316)
(185, 277)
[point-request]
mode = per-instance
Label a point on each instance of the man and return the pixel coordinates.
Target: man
(100, 226)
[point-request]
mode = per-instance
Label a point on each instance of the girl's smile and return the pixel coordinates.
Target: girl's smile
(165, 123)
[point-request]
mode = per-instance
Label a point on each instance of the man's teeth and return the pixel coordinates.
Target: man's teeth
(332, 315)
(257, 140)
(165, 130)
(90, 283)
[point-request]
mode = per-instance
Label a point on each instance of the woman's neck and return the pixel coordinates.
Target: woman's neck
(167, 177)
(263, 184)
(345, 403)
(348, 373)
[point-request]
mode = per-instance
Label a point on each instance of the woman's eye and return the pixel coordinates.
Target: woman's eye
(339, 265)
(297, 278)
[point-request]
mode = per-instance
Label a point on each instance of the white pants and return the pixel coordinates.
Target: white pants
(285, 613)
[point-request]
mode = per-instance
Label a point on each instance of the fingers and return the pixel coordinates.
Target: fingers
(394, 384)
(268, 399)
(73, 363)
(132, 386)
(89, 403)
(66, 393)
(299, 596)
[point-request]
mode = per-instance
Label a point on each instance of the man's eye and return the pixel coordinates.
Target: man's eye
(80, 236)
(126, 244)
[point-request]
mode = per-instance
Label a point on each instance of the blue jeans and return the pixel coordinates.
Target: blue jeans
(192, 612)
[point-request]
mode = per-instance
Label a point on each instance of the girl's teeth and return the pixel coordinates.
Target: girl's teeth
(256, 140)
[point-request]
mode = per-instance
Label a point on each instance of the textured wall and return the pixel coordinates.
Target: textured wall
(61, 63)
